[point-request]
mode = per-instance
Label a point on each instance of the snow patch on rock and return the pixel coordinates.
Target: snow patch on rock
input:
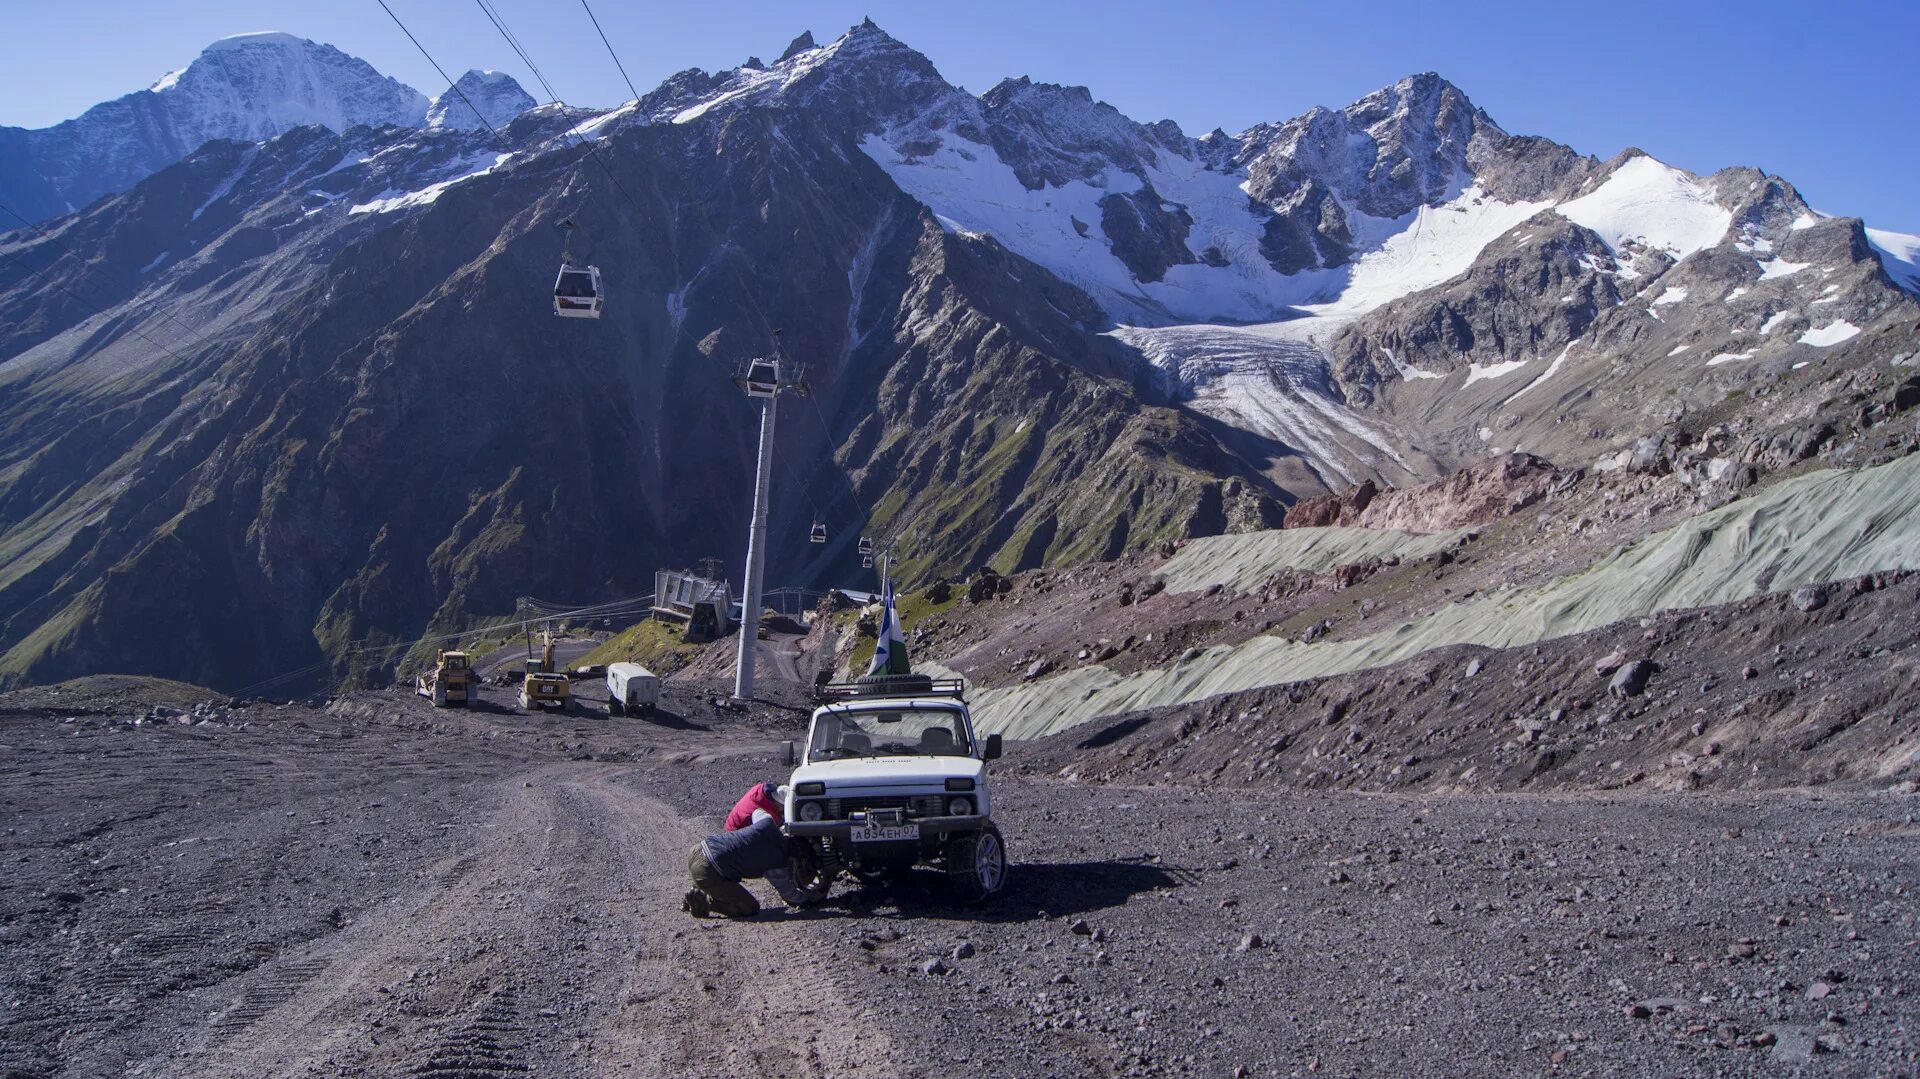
(1831, 334)
(463, 170)
(1653, 203)
(1477, 372)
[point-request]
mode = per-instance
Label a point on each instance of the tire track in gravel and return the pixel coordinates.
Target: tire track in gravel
(554, 947)
(719, 998)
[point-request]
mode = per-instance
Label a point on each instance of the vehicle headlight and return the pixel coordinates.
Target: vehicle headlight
(960, 807)
(809, 811)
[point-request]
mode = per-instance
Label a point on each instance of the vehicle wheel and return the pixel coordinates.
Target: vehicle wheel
(812, 877)
(977, 865)
(615, 708)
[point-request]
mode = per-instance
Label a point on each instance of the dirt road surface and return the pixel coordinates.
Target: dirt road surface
(380, 888)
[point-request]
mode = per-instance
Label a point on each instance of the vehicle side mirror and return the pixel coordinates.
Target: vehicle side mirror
(991, 752)
(786, 752)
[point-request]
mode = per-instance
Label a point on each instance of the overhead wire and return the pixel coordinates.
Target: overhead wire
(451, 84)
(610, 52)
(499, 23)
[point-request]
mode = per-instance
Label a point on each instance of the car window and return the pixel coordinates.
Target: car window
(839, 734)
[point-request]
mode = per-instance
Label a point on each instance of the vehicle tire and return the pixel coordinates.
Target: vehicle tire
(812, 876)
(977, 865)
(615, 708)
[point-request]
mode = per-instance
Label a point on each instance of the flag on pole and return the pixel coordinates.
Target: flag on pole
(890, 652)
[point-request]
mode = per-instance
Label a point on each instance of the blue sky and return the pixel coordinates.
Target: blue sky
(1824, 95)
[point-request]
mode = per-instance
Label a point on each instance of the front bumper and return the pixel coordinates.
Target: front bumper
(843, 829)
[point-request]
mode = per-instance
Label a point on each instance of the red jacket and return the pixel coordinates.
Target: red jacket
(758, 796)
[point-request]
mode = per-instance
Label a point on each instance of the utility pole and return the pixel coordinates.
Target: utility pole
(764, 380)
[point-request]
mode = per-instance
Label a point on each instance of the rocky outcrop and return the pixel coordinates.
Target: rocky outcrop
(1326, 511)
(1145, 234)
(1417, 142)
(1477, 494)
(1528, 295)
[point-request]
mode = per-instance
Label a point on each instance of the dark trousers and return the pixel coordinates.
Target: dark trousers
(728, 896)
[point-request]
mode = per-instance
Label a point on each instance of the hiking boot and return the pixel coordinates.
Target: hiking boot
(695, 903)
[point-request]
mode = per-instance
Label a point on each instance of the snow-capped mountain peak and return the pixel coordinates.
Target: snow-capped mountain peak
(494, 93)
(277, 38)
(258, 85)
(249, 87)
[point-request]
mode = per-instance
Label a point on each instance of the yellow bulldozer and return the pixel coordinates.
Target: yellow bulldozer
(543, 686)
(449, 682)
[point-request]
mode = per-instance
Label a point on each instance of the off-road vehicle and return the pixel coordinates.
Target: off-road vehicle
(891, 776)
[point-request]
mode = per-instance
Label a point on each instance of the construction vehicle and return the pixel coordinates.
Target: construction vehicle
(544, 686)
(450, 681)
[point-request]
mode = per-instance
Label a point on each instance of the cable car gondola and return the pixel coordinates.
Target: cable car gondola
(866, 547)
(819, 533)
(576, 291)
(762, 378)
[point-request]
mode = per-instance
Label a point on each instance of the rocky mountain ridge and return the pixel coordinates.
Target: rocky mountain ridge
(325, 408)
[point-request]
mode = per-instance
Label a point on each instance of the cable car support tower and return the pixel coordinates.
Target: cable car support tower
(765, 378)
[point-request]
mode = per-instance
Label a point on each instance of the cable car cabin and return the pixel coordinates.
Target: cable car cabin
(866, 547)
(819, 533)
(763, 378)
(576, 292)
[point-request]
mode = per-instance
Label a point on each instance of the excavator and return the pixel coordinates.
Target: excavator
(544, 686)
(448, 682)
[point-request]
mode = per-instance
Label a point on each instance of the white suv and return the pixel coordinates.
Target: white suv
(893, 777)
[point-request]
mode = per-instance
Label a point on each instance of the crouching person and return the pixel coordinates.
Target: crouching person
(719, 863)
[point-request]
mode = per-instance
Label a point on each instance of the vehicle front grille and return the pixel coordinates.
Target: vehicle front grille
(922, 805)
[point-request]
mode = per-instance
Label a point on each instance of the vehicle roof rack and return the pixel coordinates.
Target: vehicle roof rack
(893, 685)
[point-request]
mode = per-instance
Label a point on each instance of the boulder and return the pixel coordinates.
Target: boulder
(1631, 680)
(1650, 456)
(984, 586)
(1809, 598)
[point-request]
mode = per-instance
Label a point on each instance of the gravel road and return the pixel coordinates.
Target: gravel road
(379, 888)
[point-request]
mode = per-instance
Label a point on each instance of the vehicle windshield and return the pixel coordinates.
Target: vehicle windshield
(843, 733)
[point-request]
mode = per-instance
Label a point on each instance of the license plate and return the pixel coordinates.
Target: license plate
(881, 833)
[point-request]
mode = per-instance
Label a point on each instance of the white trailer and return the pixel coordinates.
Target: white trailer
(631, 688)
